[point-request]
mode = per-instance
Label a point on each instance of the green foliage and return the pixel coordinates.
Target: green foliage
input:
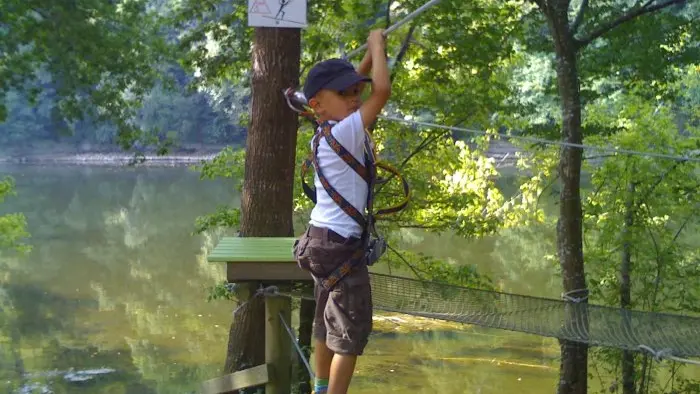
(664, 211)
(12, 226)
(168, 119)
(101, 57)
(228, 163)
(223, 217)
(222, 291)
(663, 202)
(436, 270)
(452, 184)
(640, 51)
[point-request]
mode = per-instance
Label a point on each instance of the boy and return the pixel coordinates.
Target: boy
(343, 319)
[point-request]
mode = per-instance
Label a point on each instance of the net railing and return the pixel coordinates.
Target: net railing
(663, 335)
(671, 334)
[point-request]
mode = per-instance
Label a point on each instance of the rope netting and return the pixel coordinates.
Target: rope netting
(663, 335)
(659, 333)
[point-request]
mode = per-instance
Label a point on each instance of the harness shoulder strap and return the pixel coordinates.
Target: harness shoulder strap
(341, 151)
(344, 153)
(344, 204)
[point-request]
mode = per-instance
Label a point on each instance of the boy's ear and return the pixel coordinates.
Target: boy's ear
(313, 103)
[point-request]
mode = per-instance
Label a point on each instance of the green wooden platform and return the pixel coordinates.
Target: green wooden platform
(258, 259)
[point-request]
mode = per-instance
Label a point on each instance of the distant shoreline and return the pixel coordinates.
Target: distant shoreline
(108, 159)
(504, 154)
(107, 156)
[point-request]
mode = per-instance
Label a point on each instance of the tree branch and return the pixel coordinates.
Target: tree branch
(658, 182)
(427, 141)
(420, 44)
(647, 8)
(409, 265)
(579, 17)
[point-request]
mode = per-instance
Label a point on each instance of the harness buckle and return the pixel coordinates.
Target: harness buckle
(376, 248)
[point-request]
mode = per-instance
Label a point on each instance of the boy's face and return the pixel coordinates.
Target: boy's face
(337, 105)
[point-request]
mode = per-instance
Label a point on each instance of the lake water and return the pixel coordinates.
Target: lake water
(115, 291)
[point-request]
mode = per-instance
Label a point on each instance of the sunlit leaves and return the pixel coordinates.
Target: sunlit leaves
(227, 164)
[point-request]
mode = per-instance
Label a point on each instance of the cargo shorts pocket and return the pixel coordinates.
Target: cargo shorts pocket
(299, 252)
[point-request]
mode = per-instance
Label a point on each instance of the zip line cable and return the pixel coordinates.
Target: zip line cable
(545, 141)
(396, 25)
(299, 97)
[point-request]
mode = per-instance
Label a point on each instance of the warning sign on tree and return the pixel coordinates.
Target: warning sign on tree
(277, 13)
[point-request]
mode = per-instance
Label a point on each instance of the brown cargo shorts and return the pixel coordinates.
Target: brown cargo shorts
(343, 317)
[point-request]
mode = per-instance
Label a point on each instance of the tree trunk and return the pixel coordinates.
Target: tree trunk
(626, 288)
(267, 196)
(266, 201)
(245, 336)
(573, 374)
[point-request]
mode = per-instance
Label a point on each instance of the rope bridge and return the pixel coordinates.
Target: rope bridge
(665, 336)
(662, 334)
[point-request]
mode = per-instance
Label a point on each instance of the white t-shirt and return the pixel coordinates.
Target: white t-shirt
(327, 213)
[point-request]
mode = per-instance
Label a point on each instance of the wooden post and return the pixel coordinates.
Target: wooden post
(278, 344)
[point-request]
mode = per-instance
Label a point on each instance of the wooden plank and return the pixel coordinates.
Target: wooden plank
(253, 249)
(265, 271)
(250, 377)
(278, 344)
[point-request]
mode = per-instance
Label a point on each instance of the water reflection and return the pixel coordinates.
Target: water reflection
(115, 280)
(114, 293)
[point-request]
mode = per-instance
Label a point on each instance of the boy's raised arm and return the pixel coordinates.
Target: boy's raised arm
(366, 63)
(381, 84)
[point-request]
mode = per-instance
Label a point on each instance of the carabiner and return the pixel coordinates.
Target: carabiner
(297, 97)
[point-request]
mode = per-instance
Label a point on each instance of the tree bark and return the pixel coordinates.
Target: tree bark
(626, 288)
(573, 373)
(245, 336)
(267, 196)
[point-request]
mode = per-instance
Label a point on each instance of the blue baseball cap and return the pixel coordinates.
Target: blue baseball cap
(332, 74)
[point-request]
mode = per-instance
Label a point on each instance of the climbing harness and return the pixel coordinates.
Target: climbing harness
(361, 171)
(373, 245)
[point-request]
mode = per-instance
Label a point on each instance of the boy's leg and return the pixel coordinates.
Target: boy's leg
(348, 317)
(343, 317)
(322, 364)
(322, 355)
(342, 369)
